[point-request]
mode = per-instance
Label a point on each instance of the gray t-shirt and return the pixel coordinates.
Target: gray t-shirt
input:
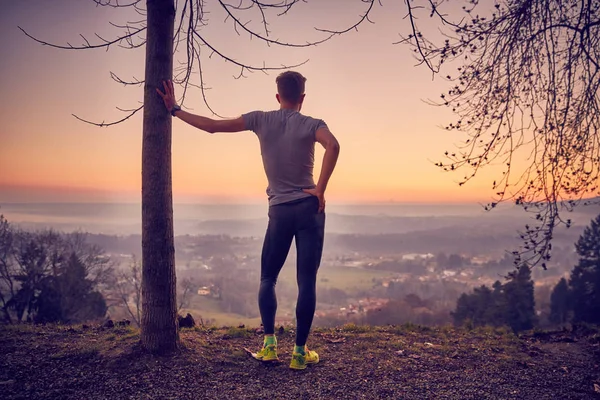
(287, 145)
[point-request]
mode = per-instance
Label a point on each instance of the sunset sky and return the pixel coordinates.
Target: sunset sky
(365, 88)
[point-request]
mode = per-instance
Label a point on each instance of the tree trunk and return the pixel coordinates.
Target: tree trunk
(159, 302)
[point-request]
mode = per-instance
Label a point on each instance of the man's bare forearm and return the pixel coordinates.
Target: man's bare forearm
(330, 157)
(206, 124)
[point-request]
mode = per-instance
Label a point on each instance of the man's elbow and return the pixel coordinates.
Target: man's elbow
(333, 146)
(211, 127)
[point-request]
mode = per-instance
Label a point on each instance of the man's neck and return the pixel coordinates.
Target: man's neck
(295, 107)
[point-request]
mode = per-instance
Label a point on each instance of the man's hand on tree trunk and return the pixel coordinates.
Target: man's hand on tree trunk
(168, 96)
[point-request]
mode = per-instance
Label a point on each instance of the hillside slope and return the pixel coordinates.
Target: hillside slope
(406, 362)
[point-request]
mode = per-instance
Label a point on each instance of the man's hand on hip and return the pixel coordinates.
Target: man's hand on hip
(319, 195)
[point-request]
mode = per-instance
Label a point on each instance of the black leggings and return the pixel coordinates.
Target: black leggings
(301, 220)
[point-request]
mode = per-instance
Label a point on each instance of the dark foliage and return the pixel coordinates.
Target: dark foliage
(520, 302)
(585, 277)
(69, 297)
(50, 277)
(511, 304)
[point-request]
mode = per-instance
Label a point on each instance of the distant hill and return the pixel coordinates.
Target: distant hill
(250, 220)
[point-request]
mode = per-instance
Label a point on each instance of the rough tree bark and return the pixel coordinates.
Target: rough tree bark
(159, 308)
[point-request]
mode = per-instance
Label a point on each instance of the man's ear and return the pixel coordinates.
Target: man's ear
(278, 98)
(300, 102)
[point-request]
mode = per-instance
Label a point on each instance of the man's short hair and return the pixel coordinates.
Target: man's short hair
(290, 86)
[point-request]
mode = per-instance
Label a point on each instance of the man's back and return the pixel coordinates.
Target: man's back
(287, 143)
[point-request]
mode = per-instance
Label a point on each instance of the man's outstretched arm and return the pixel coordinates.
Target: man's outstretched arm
(211, 125)
(206, 124)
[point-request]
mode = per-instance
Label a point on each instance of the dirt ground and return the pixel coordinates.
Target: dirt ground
(404, 362)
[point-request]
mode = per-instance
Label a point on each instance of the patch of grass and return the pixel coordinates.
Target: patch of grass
(237, 332)
(407, 328)
(20, 328)
(487, 330)
(127, 329)
(396, 345)
(422, 328)
(506, 338)
(84, 352)
(356, 328)
(131, 334)
(504, 331)
(371, 336)
(122, 333)
(447, 329)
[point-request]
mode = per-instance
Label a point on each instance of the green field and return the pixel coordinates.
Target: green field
(347, 279)
(210, 309)
(223, 319)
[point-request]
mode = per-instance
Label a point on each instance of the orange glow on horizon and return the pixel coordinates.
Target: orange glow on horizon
(373, 104)
(33, 194)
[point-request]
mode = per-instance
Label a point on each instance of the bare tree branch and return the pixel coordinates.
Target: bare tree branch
(116, 4)
(526, 82)
(104, 124)
(187, 285)
(238, 23)
(192, 17)
(129, 288)
(134, 82)
(87, 46)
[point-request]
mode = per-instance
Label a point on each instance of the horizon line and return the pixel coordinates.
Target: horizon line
(257, 203)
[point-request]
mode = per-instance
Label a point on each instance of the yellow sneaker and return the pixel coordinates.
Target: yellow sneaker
(267, 353)
(301, 361)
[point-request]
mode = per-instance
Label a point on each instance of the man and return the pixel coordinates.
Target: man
(296, 205)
